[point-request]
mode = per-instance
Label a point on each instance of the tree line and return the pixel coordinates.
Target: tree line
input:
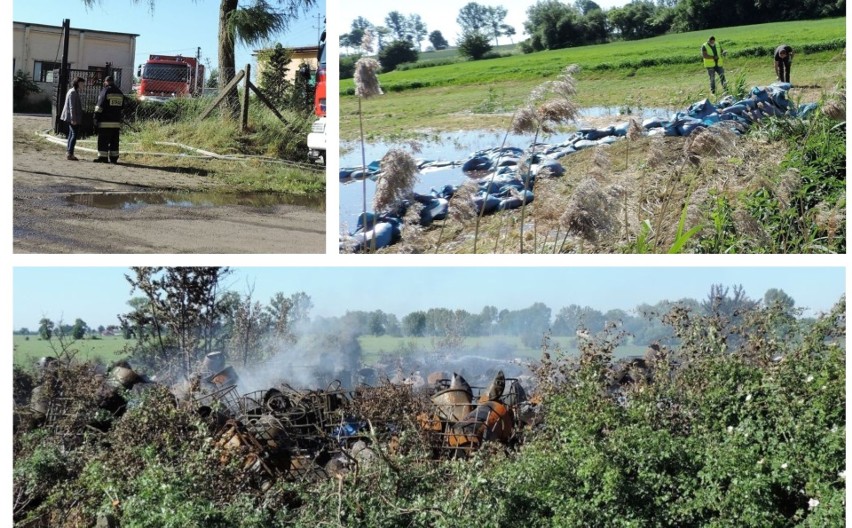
(644, 322)
(177, 315)
(552, 24)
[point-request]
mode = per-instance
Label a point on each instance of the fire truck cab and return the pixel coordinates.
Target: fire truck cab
(317, 136)
(164, 77)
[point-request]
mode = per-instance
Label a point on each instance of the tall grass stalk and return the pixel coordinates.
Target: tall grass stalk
(548, 105)
(366, 86)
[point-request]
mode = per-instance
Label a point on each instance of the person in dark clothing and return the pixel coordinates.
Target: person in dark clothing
(783, 59)
(108, 121)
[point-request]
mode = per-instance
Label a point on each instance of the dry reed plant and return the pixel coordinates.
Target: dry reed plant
(838, 110)
(706, 143)
(634, 133)
(366, 86)
(786, 186)
(601, 163)
(588, 212)
(412, 231)
(549, 207)
(366, 80)
(548, 105)
(829, 219)
(399, 174)
(748, 226)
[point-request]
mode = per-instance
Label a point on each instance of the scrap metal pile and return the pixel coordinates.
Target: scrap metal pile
(284, 432)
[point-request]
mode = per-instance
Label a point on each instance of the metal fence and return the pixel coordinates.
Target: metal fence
(89, 91)
(151, 99)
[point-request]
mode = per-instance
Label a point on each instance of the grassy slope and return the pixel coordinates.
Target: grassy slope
(451, 91)
(27, 351)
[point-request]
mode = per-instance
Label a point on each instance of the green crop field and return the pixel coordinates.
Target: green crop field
(28, 349)
(662, 71)
(372, 347)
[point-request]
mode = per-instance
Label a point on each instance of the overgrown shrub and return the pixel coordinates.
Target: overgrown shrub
(347, 65)
(396, 53)
(474, 45)
(22, 86)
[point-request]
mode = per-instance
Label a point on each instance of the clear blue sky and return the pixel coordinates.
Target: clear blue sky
(440, 15)
(97, 294)
(175, 26)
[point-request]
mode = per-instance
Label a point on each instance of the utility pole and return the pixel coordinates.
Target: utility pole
(198, 81)
(318, 26)
(62, 88)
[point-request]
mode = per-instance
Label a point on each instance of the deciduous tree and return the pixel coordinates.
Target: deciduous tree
(438, 41)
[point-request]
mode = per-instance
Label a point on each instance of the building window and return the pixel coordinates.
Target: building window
(43, 71)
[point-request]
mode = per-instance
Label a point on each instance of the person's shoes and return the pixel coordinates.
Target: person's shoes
(113, 161)
(72, 157)
(100, 160)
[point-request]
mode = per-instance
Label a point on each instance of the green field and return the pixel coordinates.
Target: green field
(373, 347)
(28, 349)
(662, 72)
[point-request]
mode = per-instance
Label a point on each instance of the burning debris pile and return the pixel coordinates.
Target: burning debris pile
(283, 432)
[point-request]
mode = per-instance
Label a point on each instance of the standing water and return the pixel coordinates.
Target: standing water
(450, 147)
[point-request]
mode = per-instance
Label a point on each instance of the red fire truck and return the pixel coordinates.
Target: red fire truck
(163, 77)
(317, 137)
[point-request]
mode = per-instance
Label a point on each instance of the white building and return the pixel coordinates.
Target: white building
(37, 50)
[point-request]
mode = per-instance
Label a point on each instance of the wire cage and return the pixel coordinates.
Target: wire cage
(225, 399)
(457, 424)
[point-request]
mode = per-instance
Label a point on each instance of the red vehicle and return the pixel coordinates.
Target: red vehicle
(163, 77)
(317, 137)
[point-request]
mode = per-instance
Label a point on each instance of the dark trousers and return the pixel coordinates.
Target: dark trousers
(72, 138)
(712, 73)
(108, 143)
(783, 68)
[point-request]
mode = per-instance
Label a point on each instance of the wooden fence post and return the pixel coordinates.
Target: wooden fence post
(231, 85)
(246, 98)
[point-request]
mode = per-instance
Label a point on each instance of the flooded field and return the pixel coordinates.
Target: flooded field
(455, 147)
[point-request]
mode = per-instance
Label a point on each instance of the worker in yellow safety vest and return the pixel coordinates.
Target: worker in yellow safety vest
(713, 59)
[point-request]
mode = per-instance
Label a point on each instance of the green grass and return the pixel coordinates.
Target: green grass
(662, 72)
(373, 347)
(28, 349)
(266, 137)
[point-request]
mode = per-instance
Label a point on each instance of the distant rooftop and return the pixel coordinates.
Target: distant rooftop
(25, 24)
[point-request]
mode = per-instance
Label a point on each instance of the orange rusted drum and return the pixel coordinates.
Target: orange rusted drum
(226, 376)
(452, 405)
(489, 421)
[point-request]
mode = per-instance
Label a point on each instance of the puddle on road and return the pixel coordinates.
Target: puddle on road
(137, 200)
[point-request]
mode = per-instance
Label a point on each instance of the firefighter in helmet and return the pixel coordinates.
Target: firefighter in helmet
(108, 121)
